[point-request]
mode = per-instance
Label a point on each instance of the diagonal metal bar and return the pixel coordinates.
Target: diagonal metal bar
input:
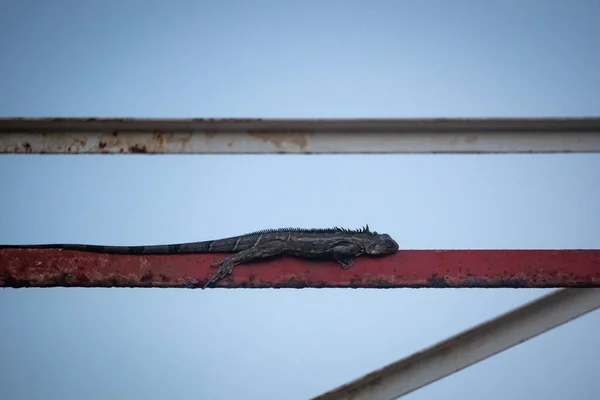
(469, 347)
(299, 136)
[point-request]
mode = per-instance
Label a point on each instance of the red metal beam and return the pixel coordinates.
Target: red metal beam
(408, 268)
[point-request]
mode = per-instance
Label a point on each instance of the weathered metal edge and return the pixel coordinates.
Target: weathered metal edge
(479, 125)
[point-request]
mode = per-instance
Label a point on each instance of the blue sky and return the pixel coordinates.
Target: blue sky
(291, 60)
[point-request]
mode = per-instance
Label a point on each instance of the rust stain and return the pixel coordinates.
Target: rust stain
(232, 120)
(437, 281)
(113, 141)
(280, 139)
(128, 143)
(210, 133)
(138, 149)
(165, 139)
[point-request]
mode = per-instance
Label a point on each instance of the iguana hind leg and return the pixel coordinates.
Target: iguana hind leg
(265, 250)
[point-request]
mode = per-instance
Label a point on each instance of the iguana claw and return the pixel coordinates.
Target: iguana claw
(225, 269)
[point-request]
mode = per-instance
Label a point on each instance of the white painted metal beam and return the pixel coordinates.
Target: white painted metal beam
(469, 347)
(309, 136)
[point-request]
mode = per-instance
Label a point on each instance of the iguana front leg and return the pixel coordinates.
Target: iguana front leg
(344, 253)
(265, 250)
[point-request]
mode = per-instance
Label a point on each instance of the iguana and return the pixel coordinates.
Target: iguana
(339, 244)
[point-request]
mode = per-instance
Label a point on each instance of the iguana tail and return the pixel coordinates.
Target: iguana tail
(180, 248)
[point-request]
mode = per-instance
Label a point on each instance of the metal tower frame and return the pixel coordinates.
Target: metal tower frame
(434, 136)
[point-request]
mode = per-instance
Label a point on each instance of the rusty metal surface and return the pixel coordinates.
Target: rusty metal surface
(408, 268)
(308, 136)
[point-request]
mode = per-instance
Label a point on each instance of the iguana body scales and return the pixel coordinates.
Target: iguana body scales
(339, 244)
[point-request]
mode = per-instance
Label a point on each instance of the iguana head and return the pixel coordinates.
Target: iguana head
(382, 244)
